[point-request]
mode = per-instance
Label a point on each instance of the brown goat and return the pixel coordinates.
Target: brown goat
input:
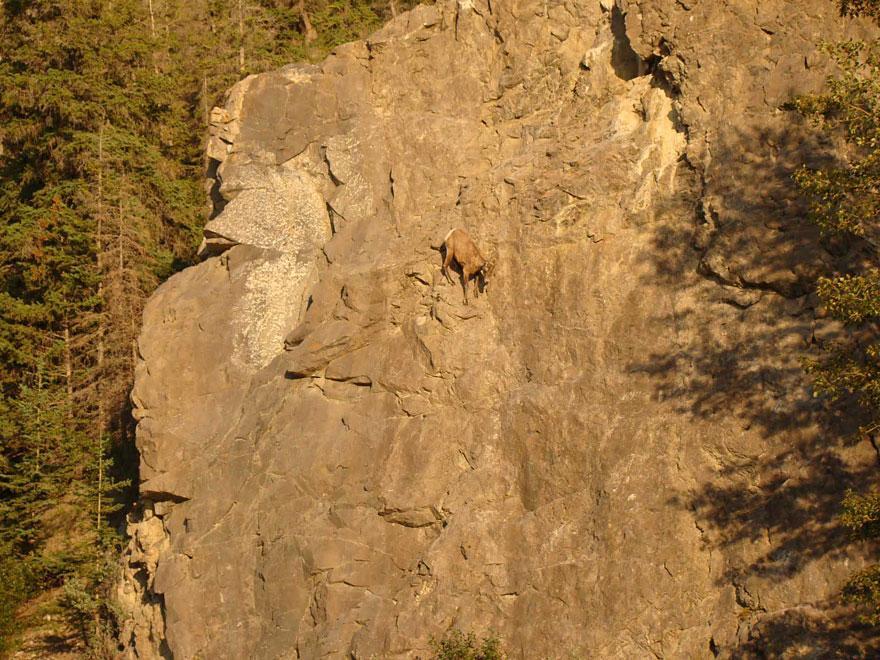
(460, 247)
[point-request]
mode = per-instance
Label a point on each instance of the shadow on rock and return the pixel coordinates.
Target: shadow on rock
(815, 632)
(742, 331)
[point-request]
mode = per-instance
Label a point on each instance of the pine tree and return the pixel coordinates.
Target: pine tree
(103, 114)
(91, 181)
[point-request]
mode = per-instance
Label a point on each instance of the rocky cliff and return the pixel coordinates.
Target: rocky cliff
(612, 453)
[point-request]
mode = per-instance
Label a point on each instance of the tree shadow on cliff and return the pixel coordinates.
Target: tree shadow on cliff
(746, 219)
(821, 631)
(757, 257)
(774, 500)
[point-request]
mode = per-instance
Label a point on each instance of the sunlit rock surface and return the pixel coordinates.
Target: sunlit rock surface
(611, 454)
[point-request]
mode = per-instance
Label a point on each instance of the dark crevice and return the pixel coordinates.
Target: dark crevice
(650, 65)
(154, 496)
(789, 291)
(624, 60)
(663, 77)
(333, 178)
(218, 203)
(164, 650)
(357, 381)
(214, 244)
(872, 438)
(331, 214)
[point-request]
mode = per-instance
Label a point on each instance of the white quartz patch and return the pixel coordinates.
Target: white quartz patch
(277, 208)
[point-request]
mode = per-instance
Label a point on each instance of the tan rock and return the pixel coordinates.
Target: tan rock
(611, 454)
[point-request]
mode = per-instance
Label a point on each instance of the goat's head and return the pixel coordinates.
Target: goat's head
(485, 274)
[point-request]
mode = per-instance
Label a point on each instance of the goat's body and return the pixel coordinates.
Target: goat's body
(461, 248)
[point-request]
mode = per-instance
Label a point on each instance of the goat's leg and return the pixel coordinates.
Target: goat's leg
(464, 282)
(445, 269)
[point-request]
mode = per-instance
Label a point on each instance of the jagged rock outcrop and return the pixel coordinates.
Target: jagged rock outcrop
(610, 454)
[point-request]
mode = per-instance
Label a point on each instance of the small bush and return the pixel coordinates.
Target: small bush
(456, 645)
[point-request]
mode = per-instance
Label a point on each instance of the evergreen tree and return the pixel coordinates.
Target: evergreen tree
(103, 115)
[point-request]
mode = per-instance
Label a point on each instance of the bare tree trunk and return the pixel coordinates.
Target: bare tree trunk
(99, 362)
(100, 485)
(68, 369)
(310, 33)
(205, 159)
(119, 244)
(152, 20)
(153, 35)
(39, 416)
(130, 310)
(241, 36)
(205, 99)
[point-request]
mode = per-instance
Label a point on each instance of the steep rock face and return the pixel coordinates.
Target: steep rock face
(610, 454)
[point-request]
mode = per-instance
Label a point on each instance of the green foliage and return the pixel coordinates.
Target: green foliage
(854, 299)
(456, 645)
(90, 609)
(861, 514)
(843, 198)
(845, 204)
(863, 588)
(13, 591)
(103, 113)
(339, 21)
(870, 8)
(850, 367)
(83, 184)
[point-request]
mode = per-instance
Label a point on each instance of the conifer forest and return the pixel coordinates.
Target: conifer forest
(104, 114)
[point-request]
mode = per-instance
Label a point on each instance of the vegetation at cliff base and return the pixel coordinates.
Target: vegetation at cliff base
(845, 203)
(103, 116)
(456, 645)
